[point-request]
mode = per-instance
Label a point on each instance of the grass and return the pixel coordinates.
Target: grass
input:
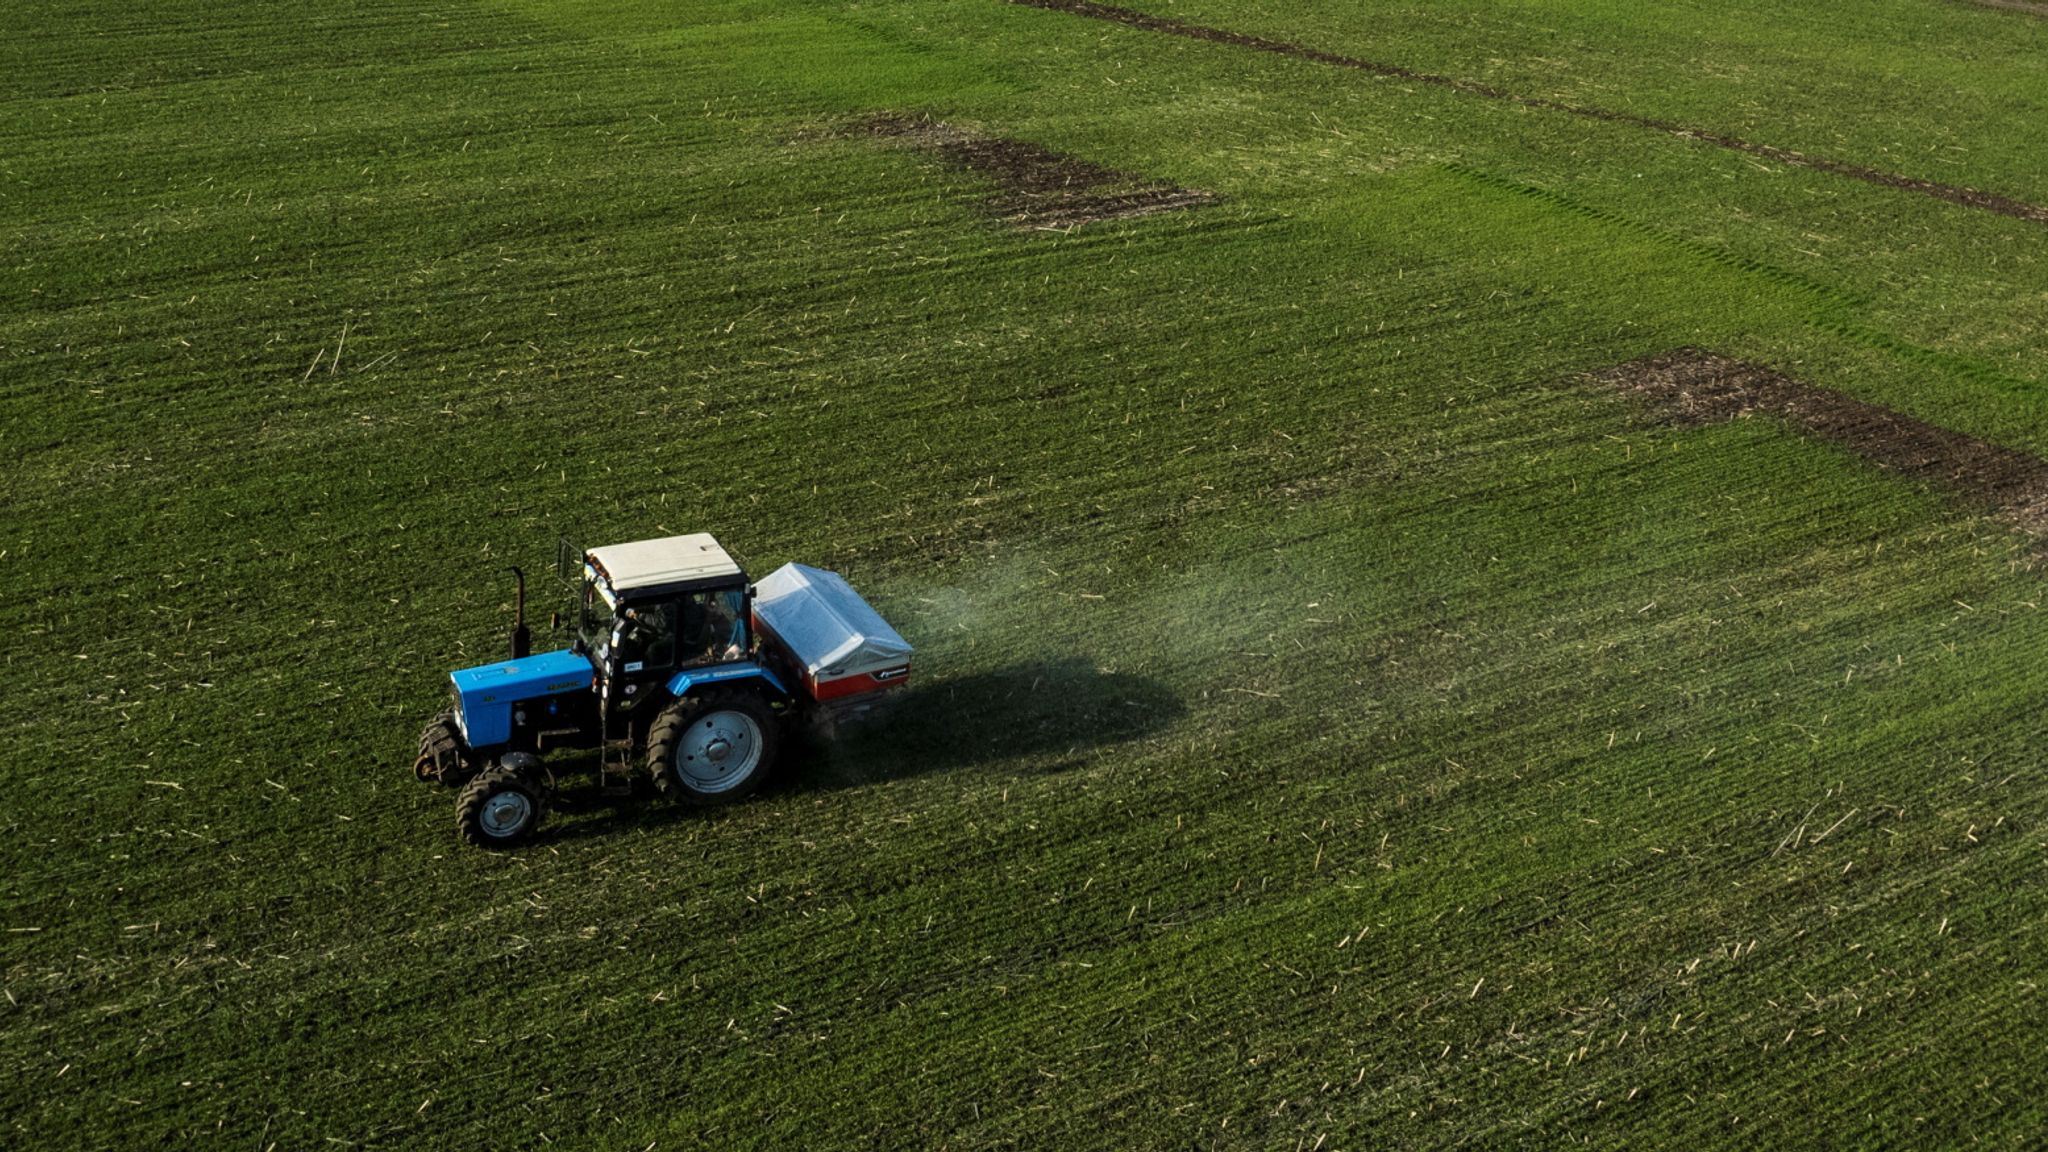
(1337, 725)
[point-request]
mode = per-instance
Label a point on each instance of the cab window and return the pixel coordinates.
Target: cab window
(714, 626)
(647, 637)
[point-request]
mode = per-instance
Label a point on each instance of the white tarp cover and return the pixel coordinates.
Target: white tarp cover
(825, 623)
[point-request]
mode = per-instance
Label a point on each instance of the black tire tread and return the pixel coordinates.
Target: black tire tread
(469, 805)
(667, 733)
(441, 756)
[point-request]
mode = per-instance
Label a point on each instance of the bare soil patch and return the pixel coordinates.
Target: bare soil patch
(2033, 7)
(1968, 197)
(1036, 187)
(1694, 388)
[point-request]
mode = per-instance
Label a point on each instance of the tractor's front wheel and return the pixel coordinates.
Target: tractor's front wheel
(714, 748)
(441, 758)
(499, 807)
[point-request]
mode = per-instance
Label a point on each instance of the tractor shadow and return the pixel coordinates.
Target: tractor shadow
(1051, 716)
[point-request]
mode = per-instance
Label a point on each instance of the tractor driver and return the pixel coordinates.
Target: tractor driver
(712, 628)
(647, 636)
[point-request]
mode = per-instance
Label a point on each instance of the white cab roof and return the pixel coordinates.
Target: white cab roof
(669, 560)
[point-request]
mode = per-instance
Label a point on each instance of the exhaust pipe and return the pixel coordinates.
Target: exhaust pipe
(522, 640)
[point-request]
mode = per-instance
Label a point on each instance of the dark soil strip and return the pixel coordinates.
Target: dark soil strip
(1035, 186)
(2033, 7)
(1696, 388)
(1968, 197)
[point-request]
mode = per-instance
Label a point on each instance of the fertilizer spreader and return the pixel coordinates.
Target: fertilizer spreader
(680, 670)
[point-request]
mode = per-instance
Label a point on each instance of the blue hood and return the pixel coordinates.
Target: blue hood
(487, 693)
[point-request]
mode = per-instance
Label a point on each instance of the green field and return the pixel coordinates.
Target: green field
(1339, 724)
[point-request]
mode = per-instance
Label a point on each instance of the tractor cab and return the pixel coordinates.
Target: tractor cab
(651, 609)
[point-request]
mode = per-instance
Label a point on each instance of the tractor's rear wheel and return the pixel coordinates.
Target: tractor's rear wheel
(499, 807)
(714, 748)
(441, 758)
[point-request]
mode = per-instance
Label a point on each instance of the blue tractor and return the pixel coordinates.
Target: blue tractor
(680, 668)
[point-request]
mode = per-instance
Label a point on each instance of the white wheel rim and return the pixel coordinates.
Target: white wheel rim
(506, 814)
(718, 752)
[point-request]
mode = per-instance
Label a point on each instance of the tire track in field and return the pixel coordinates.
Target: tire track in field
(1954, 194)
